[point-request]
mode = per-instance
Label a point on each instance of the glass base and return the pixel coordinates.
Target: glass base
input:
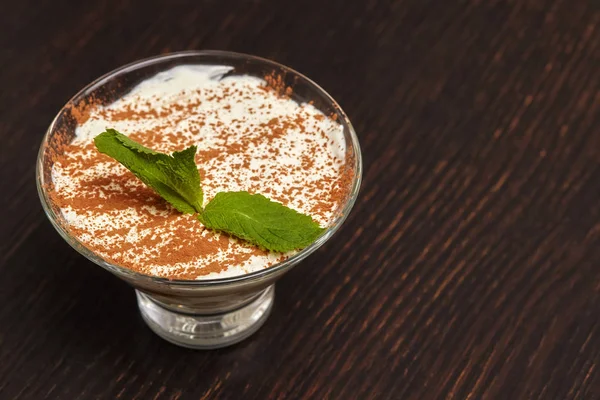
(206, 331)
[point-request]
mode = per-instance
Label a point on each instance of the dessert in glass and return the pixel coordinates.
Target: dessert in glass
(259, 127)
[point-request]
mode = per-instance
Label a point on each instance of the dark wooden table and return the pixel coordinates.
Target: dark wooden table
(469, 269)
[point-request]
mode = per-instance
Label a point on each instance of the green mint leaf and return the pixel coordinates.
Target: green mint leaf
(174, 177)
(258, 220)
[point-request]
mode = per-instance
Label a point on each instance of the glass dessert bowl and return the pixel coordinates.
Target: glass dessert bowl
(203, 313)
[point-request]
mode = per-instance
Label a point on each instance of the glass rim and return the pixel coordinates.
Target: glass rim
(280, 266)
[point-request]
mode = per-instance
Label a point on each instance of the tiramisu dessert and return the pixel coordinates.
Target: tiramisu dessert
(251, 140)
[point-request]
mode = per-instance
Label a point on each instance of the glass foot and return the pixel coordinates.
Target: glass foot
(206, 331)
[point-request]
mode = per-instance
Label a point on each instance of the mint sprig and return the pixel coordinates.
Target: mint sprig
(251, 217)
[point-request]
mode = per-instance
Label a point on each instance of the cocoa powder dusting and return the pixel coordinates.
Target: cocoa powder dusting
(145, 233)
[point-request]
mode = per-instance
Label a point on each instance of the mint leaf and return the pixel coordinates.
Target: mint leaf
(174, 177)
(258, 220)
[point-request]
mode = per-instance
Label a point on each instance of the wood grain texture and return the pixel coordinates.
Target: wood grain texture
(469, 269)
